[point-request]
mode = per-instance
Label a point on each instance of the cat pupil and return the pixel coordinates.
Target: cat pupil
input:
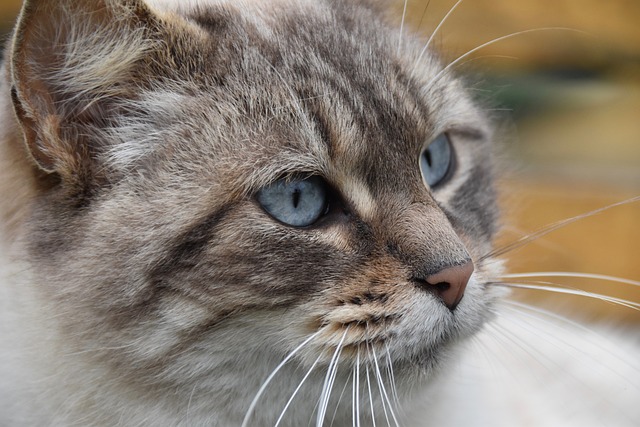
(427, 155)
(296, 197)
(295, 202)
(436, 161)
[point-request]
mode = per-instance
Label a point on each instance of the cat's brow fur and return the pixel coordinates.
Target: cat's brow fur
(143, 283)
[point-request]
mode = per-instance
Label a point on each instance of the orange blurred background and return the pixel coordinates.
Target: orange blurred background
(567, 105)
(568, 109)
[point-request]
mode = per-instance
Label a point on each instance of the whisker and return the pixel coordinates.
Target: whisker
(442, 21)
(551, 314)
(335, 411)
(487, 352)
(376, 372)
(571, 274)
(584, 348)
(568, 291)
(404, 15)
(254, 402)
(539, 356)
(358, 388)
(383, 389)
(424, 12)
(500, 340)
(373, 417)
(534, 330)
(392, 377)
(513, 339)
(552, 227)
(490, 42)
(555, 359)
(492, 56)
(323, 392)
(314, 411)
(332, 371)
(353, 396)
(295, 392)
(564, 320)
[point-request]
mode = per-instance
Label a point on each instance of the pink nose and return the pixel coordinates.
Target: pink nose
(449, 283)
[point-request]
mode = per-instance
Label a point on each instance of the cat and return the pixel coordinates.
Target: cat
(258, 213)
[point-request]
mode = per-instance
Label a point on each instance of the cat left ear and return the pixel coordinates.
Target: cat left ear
(70, 63)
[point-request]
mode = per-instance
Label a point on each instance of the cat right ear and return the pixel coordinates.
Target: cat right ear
(69, 64)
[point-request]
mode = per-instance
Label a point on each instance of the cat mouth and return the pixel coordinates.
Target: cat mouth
(366, 338)
(352, 335)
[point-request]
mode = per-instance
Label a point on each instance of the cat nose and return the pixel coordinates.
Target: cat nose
(449, 283)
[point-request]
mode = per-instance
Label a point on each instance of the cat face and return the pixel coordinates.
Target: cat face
(230, 180)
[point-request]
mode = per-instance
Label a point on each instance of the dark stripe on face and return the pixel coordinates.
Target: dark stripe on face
(391, 117)
(319, 117)
(187, 248)
(473, 206)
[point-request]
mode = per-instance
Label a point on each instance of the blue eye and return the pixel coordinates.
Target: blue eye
(296, 202)
(436, 160)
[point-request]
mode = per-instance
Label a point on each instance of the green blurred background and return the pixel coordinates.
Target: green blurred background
(567, 105)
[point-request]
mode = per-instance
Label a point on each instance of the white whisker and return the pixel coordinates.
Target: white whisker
(383, 390)
(563, 320)
(358, 388)
(540, 356)
(404, 16)
(314, 411)
(254, 402)
(625, 303)
(332, 371)
(536, 356)
(392, 377)
(551, 314)
(344, 388)
(424, 12)
(487, 351)
(295, 392)
(490, 42)
(373, 416)
(553, 227)
(571, 274)
(500, 340)
(353, 396)
(433, 34)
(477, 58)
(382, 399)
(576, 351)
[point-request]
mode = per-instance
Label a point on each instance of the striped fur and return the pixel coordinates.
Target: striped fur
(153, 289)
(142, 283)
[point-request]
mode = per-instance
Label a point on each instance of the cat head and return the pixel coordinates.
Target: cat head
(238, 177)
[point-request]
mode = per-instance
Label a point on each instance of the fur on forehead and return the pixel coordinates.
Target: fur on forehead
(252, 130)
(139, 136)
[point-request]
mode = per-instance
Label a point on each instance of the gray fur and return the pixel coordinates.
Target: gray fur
(154, 289)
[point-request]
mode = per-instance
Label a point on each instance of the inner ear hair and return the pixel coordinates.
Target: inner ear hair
(70, 63)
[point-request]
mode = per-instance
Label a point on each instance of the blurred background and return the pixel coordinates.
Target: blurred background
(567, 105)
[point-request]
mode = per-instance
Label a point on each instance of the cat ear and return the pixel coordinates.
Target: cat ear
(70, 61)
